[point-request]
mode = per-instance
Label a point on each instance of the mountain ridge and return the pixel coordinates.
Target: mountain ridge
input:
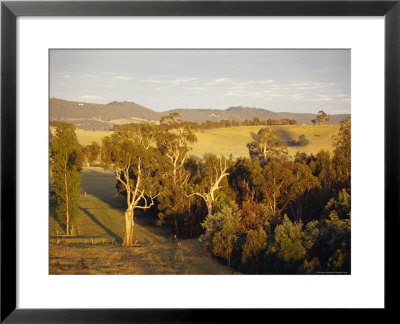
(105, 116)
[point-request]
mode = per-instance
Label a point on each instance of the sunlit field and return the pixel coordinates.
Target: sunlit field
(232, 140)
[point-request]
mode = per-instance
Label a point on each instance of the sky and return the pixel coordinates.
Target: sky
(279, 80)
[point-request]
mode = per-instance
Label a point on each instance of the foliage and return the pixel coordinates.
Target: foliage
(254, 246)
(267, 146)
(212, 185)
(304, 182)
(65, 168)
(342, 153)
(340, 206)
(302, 140)
(275, 185)
(222, 231)
(254, 215)
(310, 267)
(93, 152)
(323, 118)
(334, 242)
(323, 168)
(243, 177)
(288, 237)
(175, 144)
(293, 244)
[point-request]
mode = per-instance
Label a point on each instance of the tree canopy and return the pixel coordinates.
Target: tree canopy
(65, 167)
(267, 146)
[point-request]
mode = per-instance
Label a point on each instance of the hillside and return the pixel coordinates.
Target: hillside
(232, 113)
(97, 116)
(242, 113)
(105, 116)
(232, 141)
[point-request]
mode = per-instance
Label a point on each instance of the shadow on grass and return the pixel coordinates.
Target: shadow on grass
(102, 185)
(101, 225)
(284, 137)
(287, 138)
(58, 221)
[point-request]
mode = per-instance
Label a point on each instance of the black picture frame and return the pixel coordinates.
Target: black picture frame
(10, 10)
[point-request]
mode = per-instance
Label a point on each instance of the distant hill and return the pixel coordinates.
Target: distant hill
(98, 116)
(232, 113)
(105, 116)
(241, 113)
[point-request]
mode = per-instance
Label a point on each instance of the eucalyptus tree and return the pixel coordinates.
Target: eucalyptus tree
(323, 118)
(131, 151)
(267, 145)
(214, 172)
(93, 152)
(342, 153)
(65, 167)
(222, 232)
(275, 185)
(304, 182)
(174, 141)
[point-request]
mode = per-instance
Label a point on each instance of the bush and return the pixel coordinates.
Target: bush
(302, 141)
(222, 232)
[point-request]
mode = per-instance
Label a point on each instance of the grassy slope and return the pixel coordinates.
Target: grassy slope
(85, 137)
(233, 140)
(101, 222)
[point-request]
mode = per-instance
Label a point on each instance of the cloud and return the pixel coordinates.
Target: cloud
(341, 111)
(122, 77)
(182, 80)
(222, 80)
(85, 97)
(195, 88)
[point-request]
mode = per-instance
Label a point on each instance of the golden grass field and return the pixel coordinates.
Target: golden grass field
(233, 140)
(97, 249)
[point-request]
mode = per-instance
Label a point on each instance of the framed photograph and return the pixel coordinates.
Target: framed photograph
(179, 155)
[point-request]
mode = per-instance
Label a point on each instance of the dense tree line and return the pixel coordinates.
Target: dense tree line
(268, 213)
(208, 124)
(224, 123)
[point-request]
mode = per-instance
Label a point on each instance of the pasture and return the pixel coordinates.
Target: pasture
(97, 248)
(232, 140)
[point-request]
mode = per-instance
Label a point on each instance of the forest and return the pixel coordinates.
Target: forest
(268, 213)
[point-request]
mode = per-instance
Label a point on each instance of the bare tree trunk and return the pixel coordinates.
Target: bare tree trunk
(299, 211)
(128, 239)
(209, 208)
(176, 227)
